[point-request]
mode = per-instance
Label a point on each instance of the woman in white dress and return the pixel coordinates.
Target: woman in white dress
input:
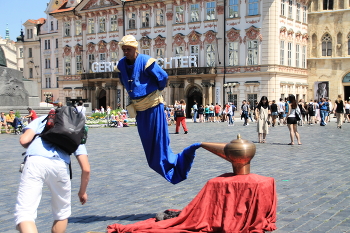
(262, 112)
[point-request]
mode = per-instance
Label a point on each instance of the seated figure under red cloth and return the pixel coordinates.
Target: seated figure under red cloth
(226, 204)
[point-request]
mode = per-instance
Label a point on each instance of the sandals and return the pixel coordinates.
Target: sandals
(292, 143)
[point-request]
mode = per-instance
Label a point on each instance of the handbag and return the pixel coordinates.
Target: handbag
(180, 113)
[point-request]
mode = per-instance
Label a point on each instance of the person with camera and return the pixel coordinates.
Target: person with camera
(47, 164)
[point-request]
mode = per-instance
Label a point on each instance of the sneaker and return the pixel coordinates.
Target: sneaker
(186, 132)
(176, 132)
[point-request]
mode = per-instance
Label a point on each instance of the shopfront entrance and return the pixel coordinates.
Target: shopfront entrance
(102, 99)
(193, 94)
(346, 84)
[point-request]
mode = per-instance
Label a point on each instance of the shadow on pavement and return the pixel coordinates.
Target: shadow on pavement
(97, 218)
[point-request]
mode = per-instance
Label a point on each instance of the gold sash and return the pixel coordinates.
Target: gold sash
(145, 103)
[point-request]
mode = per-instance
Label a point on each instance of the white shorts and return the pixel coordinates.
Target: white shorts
(37, 171)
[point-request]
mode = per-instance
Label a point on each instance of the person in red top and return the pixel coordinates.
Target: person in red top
(32, 115)
(217, 110)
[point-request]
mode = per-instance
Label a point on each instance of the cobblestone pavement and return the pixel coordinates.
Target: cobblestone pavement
(312, 180)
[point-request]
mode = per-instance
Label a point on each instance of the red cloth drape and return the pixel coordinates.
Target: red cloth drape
(226, 204)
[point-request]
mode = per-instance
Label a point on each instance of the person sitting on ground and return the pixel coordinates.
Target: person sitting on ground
(31, 116)
(3, 122)
(12, 120)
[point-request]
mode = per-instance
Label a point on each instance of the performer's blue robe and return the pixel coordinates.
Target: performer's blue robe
(141, 79)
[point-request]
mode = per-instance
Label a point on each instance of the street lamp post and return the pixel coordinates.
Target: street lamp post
(48, 95)
(123, 2)
(229, 93)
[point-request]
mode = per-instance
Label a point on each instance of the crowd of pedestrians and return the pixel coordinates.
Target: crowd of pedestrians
(288, 112)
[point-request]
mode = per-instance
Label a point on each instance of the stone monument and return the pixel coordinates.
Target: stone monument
(12, 90)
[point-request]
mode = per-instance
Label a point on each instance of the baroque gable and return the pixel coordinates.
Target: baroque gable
(95, 4)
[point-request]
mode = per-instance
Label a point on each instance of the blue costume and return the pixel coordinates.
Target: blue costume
(141, 79)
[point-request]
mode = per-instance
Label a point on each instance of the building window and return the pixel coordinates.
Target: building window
(102, 24)
(47, 63)
(78, 28)
(67, 65)
(57, 82)
(20, 52)
(327, 45)
(30, 72)
(210, 10)
(289, 54)
(253, 52)
(283, 5)
(160, 54)
(114, 56)
(91, 60)
(290, 9)
(145, 19)
(29, 33)
(327, 4)
(253, 7)
(57, 25)
(56, 62)
(233, 9)
(146, 51)
(282, 53)
(304, 14)
(297, 54)
(47, 44)
(179, 52)
(132, 20)
(91, 26)
(159, 17)
(30, 52)
(51, 26)
(303, 57)
(114, 23)
(56, 43)
(194, 15)
(102, 57)
(232, 98)
(48, 82)
(210, 55)
(67, 29)
(233, 53)
(298, 12)
(79, 65)
(252, 99)
(179, 14)
(194, 51)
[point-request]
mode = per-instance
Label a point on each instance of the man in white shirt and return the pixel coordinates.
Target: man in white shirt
(281, 109)
(81, 108)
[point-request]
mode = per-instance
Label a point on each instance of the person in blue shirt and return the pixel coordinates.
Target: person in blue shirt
(323, 111)
(47, 164)
(144, 80)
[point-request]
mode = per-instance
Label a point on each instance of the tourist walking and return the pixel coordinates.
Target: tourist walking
(245, 112)
(312, 112)
(302, 110)
(195, 112)
(281, 110)
(339, 111)
(293, 116)
(206, 111)
(229, 113)
(262, 112)
(201, 113)
(274, 112)
(347, 111)
(181, 119)
(324, 108)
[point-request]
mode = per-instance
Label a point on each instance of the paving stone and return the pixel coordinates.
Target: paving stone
(311, 180)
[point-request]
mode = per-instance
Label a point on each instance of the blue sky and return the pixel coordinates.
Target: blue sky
(16, 12)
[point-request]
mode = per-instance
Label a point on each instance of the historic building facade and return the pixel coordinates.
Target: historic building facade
(329, 50)
(213, 51)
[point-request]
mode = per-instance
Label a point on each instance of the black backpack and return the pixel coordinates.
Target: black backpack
(67, 131)
(310, 107)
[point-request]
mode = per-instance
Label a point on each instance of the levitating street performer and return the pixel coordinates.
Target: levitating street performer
(144, 80)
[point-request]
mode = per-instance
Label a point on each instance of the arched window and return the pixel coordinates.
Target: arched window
(327, 45)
